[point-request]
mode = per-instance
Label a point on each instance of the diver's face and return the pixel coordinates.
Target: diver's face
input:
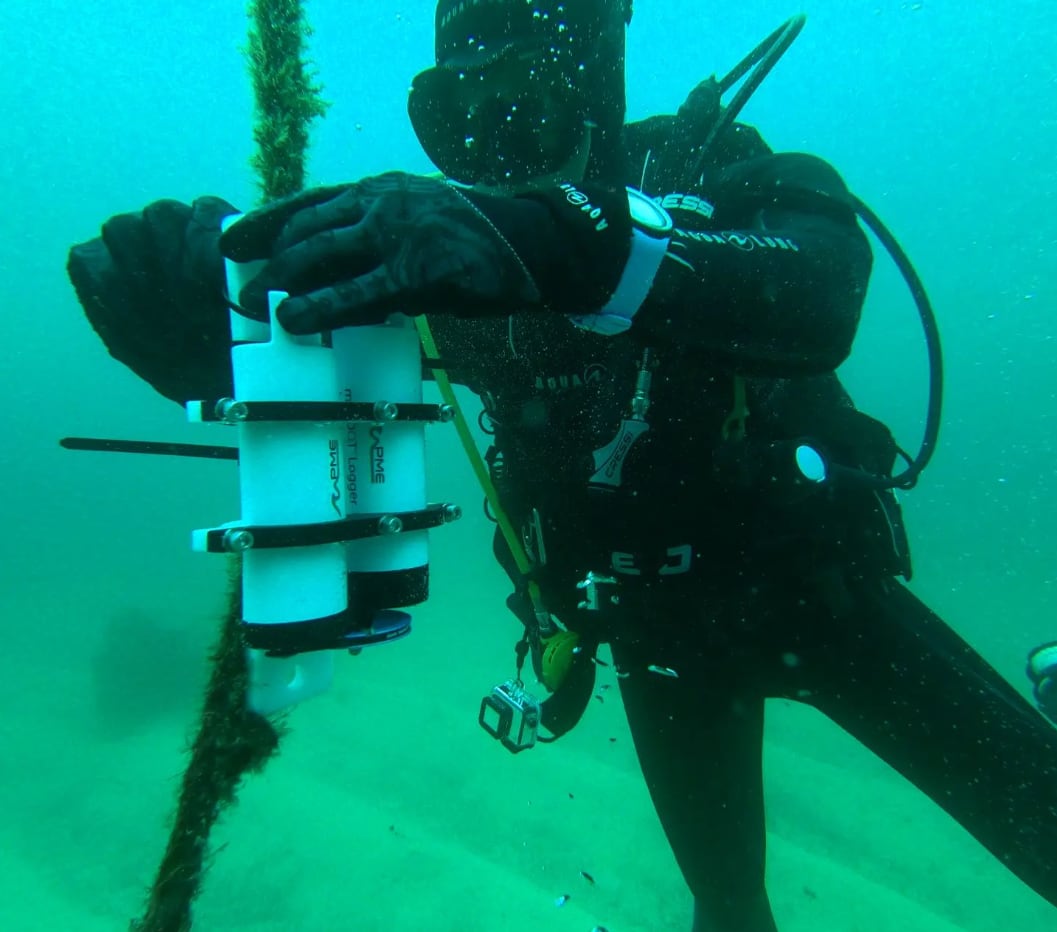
(514, 123)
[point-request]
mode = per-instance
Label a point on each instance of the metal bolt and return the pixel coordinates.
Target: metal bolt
(390, 524)
(237, 540)
(230, 410)
(385, 411)
(451, 513)
(446, 413)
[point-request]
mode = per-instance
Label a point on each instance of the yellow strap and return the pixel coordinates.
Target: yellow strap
(513, 541)
(558, 649)
(734, 424)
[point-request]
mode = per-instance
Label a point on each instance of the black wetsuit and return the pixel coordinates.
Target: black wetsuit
(744, 584)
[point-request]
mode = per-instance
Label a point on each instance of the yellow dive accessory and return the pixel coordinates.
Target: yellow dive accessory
(556, 658)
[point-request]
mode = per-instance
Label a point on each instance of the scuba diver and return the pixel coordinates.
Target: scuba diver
(652, 314)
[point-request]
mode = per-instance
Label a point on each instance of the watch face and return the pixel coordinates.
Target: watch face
(646, 214)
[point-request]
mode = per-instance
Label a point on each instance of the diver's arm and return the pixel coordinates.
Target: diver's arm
(776, 288)
(784, 303)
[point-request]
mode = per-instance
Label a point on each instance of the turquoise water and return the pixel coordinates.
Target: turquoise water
(388, 808)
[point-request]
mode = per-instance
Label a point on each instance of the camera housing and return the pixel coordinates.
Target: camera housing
(511, 715)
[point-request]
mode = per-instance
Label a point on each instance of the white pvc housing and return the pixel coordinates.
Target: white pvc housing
(306, 473)
(289, 473)
(276, 683)
(244, 329)
(384, 462)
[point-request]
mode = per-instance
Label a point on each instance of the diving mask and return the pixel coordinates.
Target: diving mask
(516, 119)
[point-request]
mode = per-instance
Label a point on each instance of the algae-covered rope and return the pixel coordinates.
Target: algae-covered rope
(232, 740)
(287, 97)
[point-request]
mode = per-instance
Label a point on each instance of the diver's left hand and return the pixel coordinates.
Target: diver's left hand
(356, 253)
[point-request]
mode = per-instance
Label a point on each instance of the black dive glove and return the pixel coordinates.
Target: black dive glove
(353, 254)
(152, 286)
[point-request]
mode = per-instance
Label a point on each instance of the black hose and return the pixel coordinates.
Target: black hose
(758, 64)
(761, 60)
(909, 477)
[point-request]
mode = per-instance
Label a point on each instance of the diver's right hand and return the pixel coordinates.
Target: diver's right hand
(152, 286)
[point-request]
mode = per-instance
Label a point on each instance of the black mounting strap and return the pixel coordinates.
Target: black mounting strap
(232, 411)
(240, 537)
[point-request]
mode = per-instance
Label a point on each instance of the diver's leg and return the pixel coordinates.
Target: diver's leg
(700, 747)
(910, 689)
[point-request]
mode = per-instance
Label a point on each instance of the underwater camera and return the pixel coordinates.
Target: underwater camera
(511, 715)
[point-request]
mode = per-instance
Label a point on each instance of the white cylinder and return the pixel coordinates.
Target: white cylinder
(384, 461)
(276, 683)
(243, 329)
(289, 473)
